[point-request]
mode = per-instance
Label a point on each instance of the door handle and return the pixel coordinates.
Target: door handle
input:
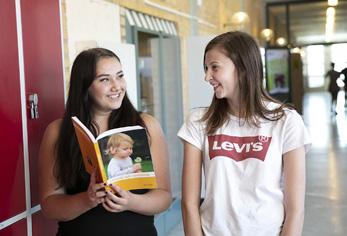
(33, 102)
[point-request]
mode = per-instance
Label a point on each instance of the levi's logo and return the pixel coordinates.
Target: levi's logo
(238, 148)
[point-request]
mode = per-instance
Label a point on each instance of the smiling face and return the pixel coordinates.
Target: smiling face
(108, 88)
(222, 75)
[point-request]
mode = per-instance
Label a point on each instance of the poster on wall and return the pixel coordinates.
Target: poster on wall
(277, 72)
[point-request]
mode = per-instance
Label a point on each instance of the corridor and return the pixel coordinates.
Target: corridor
(326, 196)
(326, 189)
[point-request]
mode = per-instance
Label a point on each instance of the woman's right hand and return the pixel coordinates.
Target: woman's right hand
(95, 192)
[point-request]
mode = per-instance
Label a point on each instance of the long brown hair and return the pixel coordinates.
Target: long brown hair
(244, 52)
(69, 164)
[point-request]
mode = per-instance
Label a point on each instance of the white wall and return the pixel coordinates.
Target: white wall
(200, 92)
(96, 23)
(90, 21)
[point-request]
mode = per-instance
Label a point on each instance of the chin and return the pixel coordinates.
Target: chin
(219, 96)
(115, 107)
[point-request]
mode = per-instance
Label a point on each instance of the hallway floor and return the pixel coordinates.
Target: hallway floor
(326, 165)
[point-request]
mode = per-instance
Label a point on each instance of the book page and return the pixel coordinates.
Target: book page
(127, 159)
(118, 130)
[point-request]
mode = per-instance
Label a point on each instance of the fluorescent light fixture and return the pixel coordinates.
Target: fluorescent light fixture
(329, 25)
(333, 3)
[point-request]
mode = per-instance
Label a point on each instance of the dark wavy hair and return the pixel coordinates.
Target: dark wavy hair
(69, 163)
(244, 52)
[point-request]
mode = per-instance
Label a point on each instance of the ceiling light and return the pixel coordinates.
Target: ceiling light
(281, 41)
(333, 3)
(267, 34)
(329, 24)
(239, 18)
(296, 50)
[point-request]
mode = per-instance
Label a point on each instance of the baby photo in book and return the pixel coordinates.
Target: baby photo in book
(121, 156)
(126, 154)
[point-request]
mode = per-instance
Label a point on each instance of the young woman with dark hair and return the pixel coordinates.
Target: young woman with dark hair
(97, 96)
(251, 147)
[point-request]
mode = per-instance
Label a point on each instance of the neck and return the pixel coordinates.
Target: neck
(101, 119)
(234, 108)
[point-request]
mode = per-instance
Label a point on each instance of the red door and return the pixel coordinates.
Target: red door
(12, 197)
(43, 75)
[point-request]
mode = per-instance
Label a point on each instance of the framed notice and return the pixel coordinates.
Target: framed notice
(278, 72)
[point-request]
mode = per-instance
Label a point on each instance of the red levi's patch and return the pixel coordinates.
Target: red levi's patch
(238, 148)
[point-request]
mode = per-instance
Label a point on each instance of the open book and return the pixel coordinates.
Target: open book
(120, 156)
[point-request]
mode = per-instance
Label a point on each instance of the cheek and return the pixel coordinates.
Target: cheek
(94, 91)
(124, 84)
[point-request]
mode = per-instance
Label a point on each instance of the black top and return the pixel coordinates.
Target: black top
(100, 222)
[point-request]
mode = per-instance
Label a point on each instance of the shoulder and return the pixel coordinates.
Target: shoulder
(152, 124)
(53, 129)
(196, 114)
(149, 119)
(49, 140)
(292, 116)
(287, 110)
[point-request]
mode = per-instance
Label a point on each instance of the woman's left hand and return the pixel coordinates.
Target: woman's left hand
(118, 201)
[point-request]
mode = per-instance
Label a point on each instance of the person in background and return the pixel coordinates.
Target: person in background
(251, 147)
(333, 88)
(97, 96)
(344, 73)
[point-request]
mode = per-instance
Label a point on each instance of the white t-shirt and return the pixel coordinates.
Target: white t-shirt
(117, 167)
(243, 172)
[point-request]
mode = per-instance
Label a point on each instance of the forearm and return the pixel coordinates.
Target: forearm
(294, 192)
(153, 202)
(191, 220)
(293, 223)
(64, 207)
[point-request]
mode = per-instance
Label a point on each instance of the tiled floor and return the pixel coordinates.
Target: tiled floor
(326, 193)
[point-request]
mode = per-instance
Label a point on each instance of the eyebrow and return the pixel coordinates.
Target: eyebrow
(118, 73)
(213, 62)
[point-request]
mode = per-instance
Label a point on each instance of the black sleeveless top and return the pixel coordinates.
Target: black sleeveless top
(100, 222)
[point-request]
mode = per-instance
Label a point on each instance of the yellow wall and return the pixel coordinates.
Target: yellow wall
(211, 18)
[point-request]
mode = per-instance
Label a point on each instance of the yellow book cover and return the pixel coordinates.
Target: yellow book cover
(120, 156)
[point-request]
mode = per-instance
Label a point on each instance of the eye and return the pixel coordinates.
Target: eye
(104, 79)
(120, 76)
(214, 67)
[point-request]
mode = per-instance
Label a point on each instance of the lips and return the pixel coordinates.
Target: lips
(215, 85)
(114, 96)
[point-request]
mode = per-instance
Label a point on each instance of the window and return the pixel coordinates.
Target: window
(315, 66)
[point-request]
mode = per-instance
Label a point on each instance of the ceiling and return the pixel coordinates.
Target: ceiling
(307, 21)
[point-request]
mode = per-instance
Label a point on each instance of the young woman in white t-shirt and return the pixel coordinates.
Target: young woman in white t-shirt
(251, 147)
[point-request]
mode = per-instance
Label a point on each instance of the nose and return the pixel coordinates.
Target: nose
(208, 76)
(115, 84)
